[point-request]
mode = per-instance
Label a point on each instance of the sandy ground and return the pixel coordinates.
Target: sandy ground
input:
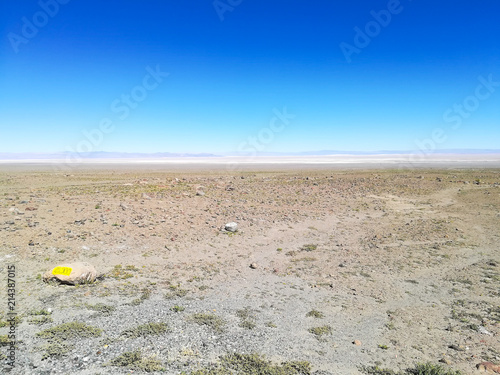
(404, 262)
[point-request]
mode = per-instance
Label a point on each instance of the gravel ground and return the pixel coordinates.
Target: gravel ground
(405, 264)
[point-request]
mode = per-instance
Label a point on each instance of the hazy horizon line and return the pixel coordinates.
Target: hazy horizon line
(161, 154)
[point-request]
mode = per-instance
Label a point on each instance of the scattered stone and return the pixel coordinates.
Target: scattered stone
(253, 266)
(30, 209)
(231, 227)
(458, 348)
(445, 361)
(357, 342)
(123, 206)
(145, 196)
(72, 273)
(200, 191)
(488, 367)
(483, 330)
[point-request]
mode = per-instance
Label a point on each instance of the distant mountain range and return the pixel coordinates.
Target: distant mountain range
(381, 152)
(165, 155)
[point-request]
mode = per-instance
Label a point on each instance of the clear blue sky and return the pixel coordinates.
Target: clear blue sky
(230, 67)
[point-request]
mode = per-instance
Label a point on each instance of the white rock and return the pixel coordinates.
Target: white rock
(231, 227)
(483, 330)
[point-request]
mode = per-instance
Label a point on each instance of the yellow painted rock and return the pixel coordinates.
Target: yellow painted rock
(72, 273)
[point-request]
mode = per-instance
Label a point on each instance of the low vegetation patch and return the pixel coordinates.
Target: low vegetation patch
(146, 293)
(175, 291)
(17, 320)
(56, 349)
(145, 330)
(70, 330)
(101, 308)
(419, 369)
(315, 314)
(247, 324)
(4, 340)
(136, 361)
(247, 318)
(210, 320)
(39, 320)
(253, 364)
(39, 312)
(309, 247)
(121, 273)
(40, 317)
(320, 331)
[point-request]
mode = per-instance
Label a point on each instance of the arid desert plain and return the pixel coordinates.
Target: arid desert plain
(330, 271)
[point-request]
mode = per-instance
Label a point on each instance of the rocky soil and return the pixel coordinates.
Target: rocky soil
(341, 269)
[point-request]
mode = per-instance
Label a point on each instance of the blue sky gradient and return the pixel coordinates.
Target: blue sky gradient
(227, 77)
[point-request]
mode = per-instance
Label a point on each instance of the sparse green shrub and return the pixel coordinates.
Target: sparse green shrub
(102, 308)
(419, 369)
(309, 247)
(4, 340)
(146, 330)
(175, 291)
(320, 331)
(39, 320)
(120, 273)
(134, 360)
(210, 320)
(247, 324)
(255, 364)
(56, 349)
(40, 312)
(69, 331)
(146, 293)
(315, 314)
